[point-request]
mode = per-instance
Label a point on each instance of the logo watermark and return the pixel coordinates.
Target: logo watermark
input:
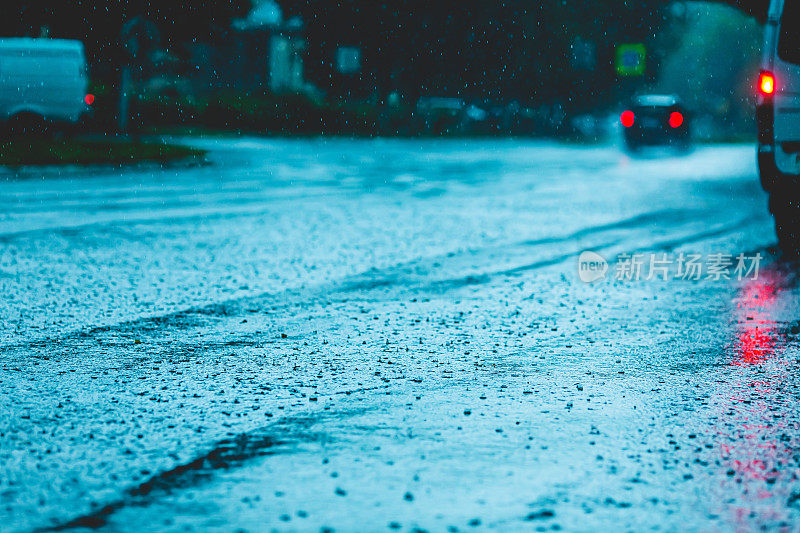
(591, 267)
(662, 266)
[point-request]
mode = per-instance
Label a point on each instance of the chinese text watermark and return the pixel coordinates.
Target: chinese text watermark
(662, 266)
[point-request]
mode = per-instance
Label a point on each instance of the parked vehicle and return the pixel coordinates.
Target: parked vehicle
(42, 82)
(778, 118)
(655, 119)
(441, 114)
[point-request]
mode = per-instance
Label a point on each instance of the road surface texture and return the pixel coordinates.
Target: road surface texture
(378, 335)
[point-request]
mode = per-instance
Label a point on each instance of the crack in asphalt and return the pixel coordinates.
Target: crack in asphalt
(224, 455)
(670, 245)
(660, 216)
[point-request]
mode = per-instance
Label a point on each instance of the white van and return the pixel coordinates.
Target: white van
(43, 81)
(778, 117)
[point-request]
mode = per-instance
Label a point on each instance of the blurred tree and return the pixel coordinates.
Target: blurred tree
(514, 49)
(722, 77)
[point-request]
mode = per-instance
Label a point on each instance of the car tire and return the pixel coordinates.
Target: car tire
(786, 212)
(766, 171)
(27, 125)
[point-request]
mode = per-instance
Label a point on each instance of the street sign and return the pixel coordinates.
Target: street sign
(629, 59)
(348, 60)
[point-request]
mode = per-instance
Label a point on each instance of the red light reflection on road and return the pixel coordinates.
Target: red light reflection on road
(754, 447)
(756, 338)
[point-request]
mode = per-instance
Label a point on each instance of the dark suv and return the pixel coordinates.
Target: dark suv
(655, 119)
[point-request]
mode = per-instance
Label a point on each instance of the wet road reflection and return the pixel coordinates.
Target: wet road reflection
(757, 445)
(154, 318)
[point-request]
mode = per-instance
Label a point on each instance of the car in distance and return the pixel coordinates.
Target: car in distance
(778, 119)
(440, 114)
(655, 119)
(42, 81)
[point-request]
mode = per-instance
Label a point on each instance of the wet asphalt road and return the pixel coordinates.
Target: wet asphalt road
(391, 335)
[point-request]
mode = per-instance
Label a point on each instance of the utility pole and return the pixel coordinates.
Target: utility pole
(137, 35)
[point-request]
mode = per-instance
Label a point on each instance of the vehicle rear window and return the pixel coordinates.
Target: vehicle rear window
(652, 111)
(789, 40)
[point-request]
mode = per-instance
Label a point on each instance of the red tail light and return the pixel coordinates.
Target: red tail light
(89, 99)
(766, 83)
(675, 119)
(627, 118)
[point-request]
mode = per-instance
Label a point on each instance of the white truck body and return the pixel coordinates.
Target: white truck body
(782, 59)
(43, 77)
